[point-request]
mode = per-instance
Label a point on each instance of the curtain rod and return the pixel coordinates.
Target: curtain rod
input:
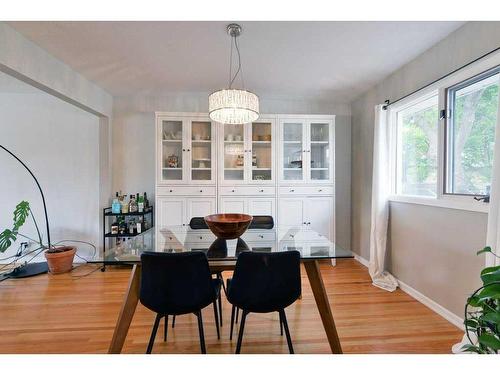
(387, 102)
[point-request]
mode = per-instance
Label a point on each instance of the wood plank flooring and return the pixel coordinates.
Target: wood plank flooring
(73, 314)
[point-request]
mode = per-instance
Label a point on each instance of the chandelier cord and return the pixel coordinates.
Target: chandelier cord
(239, 60)
(231, 64)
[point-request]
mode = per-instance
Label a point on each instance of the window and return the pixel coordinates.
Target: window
(470, 134)
(417, 148)
(442, 139)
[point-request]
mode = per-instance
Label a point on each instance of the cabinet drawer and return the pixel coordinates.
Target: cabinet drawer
(196, 191)
(247, 190)
(306, 190)
(200, 236)
(259, 235)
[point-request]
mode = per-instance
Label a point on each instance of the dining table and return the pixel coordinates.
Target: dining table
(222, 256)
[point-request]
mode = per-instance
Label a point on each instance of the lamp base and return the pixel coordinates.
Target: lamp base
(28, 270)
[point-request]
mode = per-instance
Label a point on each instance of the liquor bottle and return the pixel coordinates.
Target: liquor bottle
(140, 203)
(122, 227)
(138, 226)
(125, 205)
(131, 227)
(114, 227)
(132, 206)
(146, 201)
(116, 206)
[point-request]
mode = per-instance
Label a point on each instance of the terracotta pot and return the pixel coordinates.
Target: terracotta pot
(61, 261)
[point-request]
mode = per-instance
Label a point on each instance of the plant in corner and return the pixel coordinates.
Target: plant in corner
(482, 320)
(59, 258)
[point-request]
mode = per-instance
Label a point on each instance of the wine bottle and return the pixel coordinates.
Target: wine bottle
(146, 201)
(140, 203)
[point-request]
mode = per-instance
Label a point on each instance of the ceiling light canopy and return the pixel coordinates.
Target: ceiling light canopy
(233, 106)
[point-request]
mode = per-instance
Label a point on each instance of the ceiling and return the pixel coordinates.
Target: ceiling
(320, 60)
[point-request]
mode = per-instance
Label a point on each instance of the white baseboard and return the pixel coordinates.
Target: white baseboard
(433, 305)
(361, 260)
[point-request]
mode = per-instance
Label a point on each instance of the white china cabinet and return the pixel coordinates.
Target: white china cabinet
(306, 150)
(247, 153)
(280, 165)
(187, 152)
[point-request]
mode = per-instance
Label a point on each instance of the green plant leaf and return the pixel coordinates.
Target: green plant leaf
(489, 292)
(471, 348)
(487, 249)
(20, 214)
(492, 317)
(7, 237)
(489, 341)
(474, 301)
(471, 323)
(490, 274)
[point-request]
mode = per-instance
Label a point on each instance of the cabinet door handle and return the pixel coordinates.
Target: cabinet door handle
(232, 191)
(320, 190)
(262, 190)
(188, 150)
(261, 236)
(292, 236)
(292, 190)
(183, 225)
(170, 191)
(304, 223)
(201, 191)
(309, 223)
(183, 149)
(201, 237)
(170, 238)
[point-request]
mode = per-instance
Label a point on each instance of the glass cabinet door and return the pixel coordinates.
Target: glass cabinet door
(201, 151)
(234, 152)
(292, 149)
(319, 151)
(172, 150)
(262, 151)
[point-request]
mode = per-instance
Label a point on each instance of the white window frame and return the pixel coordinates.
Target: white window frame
(452, 201)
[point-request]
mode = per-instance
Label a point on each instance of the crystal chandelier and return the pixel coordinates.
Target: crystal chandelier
(233, 106)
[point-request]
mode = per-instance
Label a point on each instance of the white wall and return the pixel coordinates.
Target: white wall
(60, 143)
(432, 249)
(133, 142)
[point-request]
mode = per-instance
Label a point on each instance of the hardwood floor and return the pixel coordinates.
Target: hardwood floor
(72, 314)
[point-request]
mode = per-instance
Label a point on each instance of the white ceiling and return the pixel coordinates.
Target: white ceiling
(322, 60)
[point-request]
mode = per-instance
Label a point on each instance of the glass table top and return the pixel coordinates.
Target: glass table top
(309, 243)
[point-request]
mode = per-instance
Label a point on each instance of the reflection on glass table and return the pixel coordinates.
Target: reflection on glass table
(309, 243)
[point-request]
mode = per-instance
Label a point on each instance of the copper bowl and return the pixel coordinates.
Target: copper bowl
(228, 226)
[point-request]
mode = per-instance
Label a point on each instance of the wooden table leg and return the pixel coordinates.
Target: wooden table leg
(127, 312)
(318, 288)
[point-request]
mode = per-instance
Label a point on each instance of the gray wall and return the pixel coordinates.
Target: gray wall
(133, 141)
(433, 249)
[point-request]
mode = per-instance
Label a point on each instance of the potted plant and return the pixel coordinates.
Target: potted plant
(482, 312)
(59, 258)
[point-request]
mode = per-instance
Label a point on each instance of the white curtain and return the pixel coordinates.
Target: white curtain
(493, 230)
(380, 203)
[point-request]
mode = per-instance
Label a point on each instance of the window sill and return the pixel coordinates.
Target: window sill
(464, 204)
